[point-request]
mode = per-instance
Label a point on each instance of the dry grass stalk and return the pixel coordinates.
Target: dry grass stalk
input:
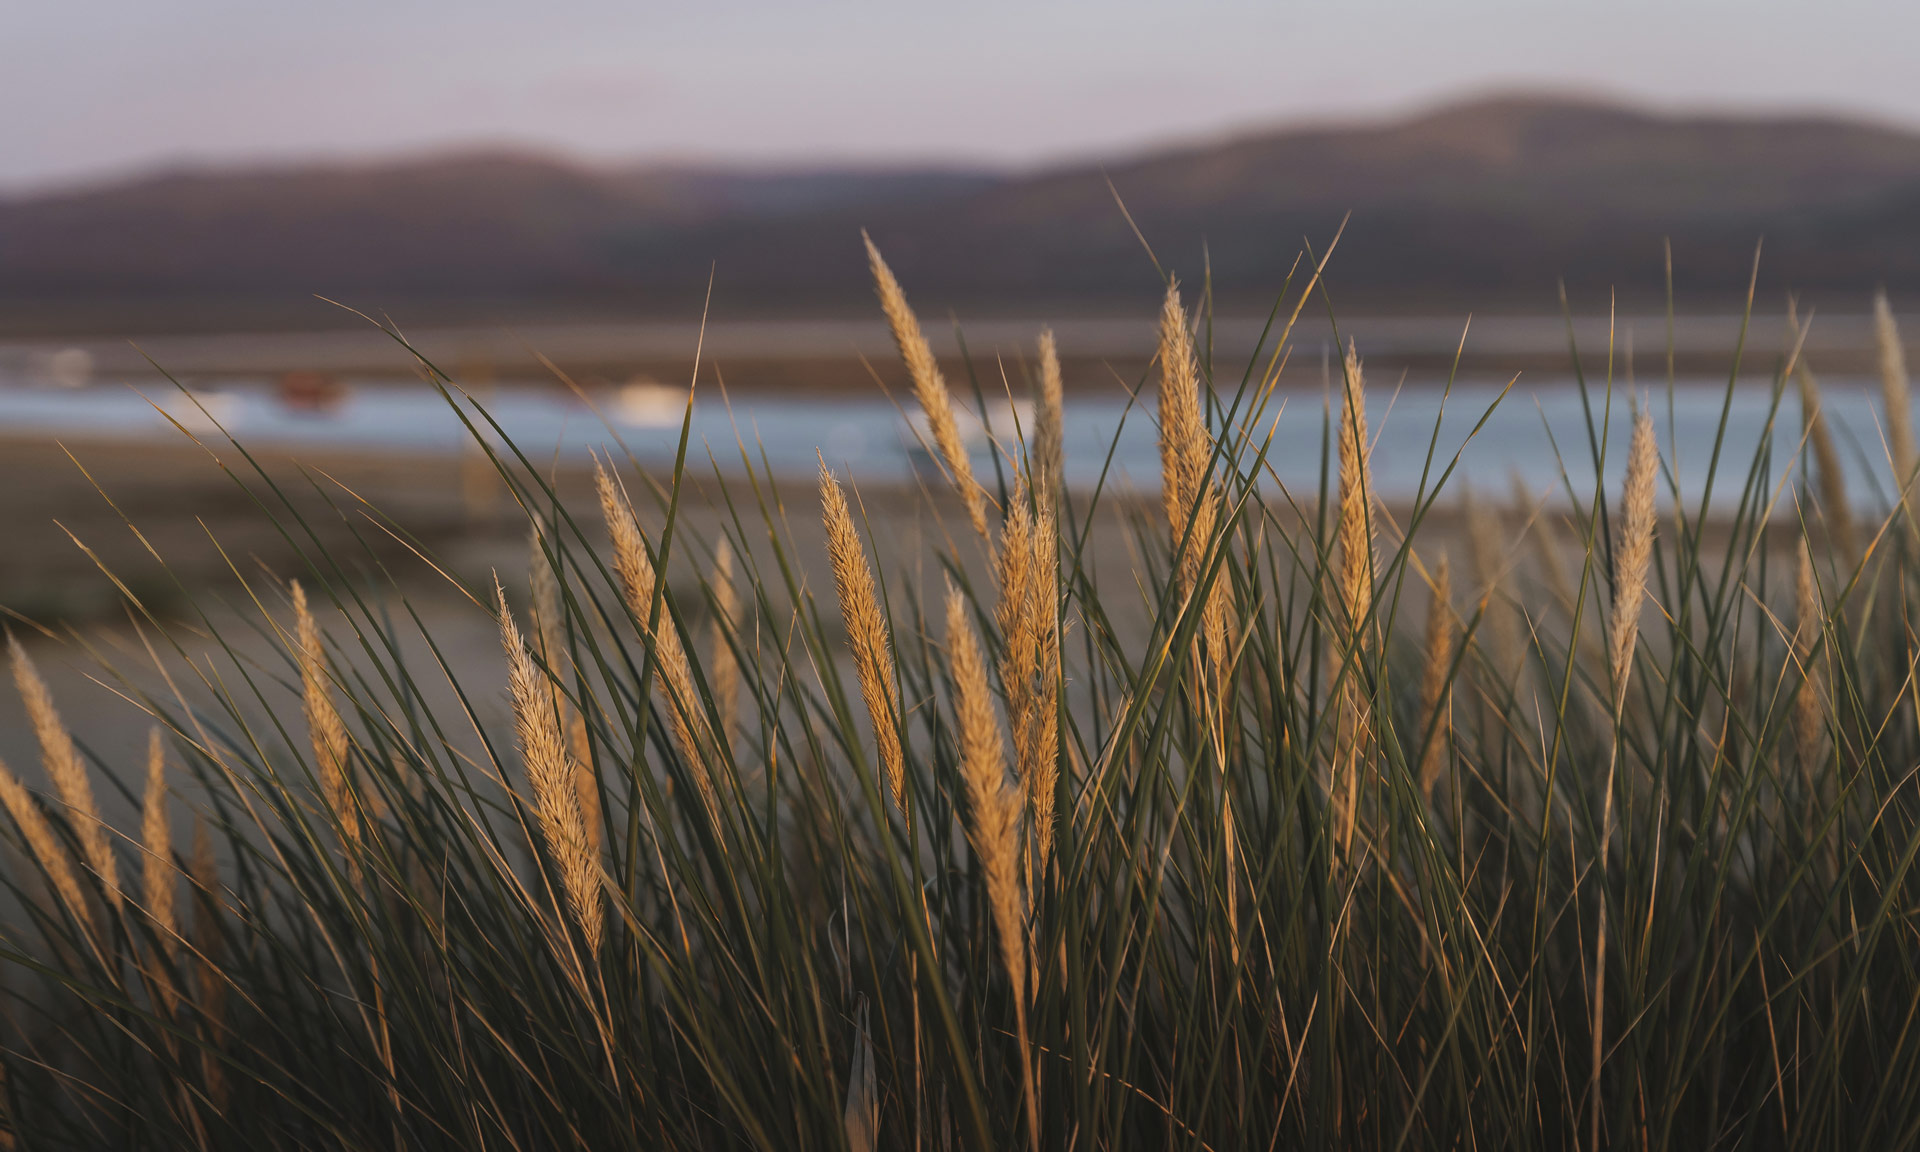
(867, 632)
(1049, 437)
(209, 946)
(684, 715)
(861, 1117)
(1028, 619)
(325, 728)
(553, 774)
(1437, 678)
(1826, 462)
(929, 387)
(1487, 548)
(38, 832)
(157, 873)
(1894, 393)
(1355, 576)
(1632, 560)
(1193, 509)
(549, 629)
(67, 771)
(723, 670)
(993, 810)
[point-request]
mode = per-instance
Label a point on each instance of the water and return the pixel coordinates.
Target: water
(874, 443)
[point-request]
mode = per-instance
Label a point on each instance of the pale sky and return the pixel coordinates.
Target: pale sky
(93, 88)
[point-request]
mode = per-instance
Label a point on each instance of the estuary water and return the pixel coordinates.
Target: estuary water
(1540, 435)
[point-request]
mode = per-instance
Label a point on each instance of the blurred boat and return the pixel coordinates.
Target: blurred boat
(314, 392)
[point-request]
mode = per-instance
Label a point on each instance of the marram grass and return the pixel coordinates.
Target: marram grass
(1271, 842)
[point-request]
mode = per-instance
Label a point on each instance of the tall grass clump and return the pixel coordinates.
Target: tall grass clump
(1271, 837)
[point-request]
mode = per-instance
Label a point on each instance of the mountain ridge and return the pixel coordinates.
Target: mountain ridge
(1495, 199)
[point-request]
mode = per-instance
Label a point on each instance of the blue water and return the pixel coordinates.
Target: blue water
(871, 441)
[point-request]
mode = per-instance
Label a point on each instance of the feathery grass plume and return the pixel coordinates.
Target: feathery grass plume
(552, 772)
(1826, 462)
(157, 873)
(325, 728)
(635, 568)
(1633, 554)
(1894, 394)
(1192, 505)
(1632, 558)
(1027, 615)
(723, 670)
(867, 631)
(1436, 678)
(929, 387)
(67, 771)
(1186, 457)
(1355, 576)
(549, 632)
(1184, 444)
(993, 824)
(1048, 451)
(45, 843)
(1357, 500)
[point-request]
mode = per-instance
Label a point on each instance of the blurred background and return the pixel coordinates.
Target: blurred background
(205, 205)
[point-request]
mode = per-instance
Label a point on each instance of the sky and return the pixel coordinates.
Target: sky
(95, 89)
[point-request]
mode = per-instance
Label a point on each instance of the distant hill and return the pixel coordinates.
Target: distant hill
(1476, 205)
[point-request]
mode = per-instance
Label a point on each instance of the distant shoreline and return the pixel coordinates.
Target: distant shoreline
(846, 355)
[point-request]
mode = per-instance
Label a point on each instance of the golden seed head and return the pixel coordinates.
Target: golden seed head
(685, 717)
(324, 726)
(45, 845)
(1185, 447)
(554, 777)
(156, 837)
(67, 771)
(1049, 451)
(867, 631)
(1633, 553)
(1028, 618)
(1357, 500)
(993, 807)
(929, 387)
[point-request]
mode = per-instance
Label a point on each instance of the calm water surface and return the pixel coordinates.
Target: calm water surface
(875, 443)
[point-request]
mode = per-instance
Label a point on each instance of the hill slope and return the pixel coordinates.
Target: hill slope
(1494, 200)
